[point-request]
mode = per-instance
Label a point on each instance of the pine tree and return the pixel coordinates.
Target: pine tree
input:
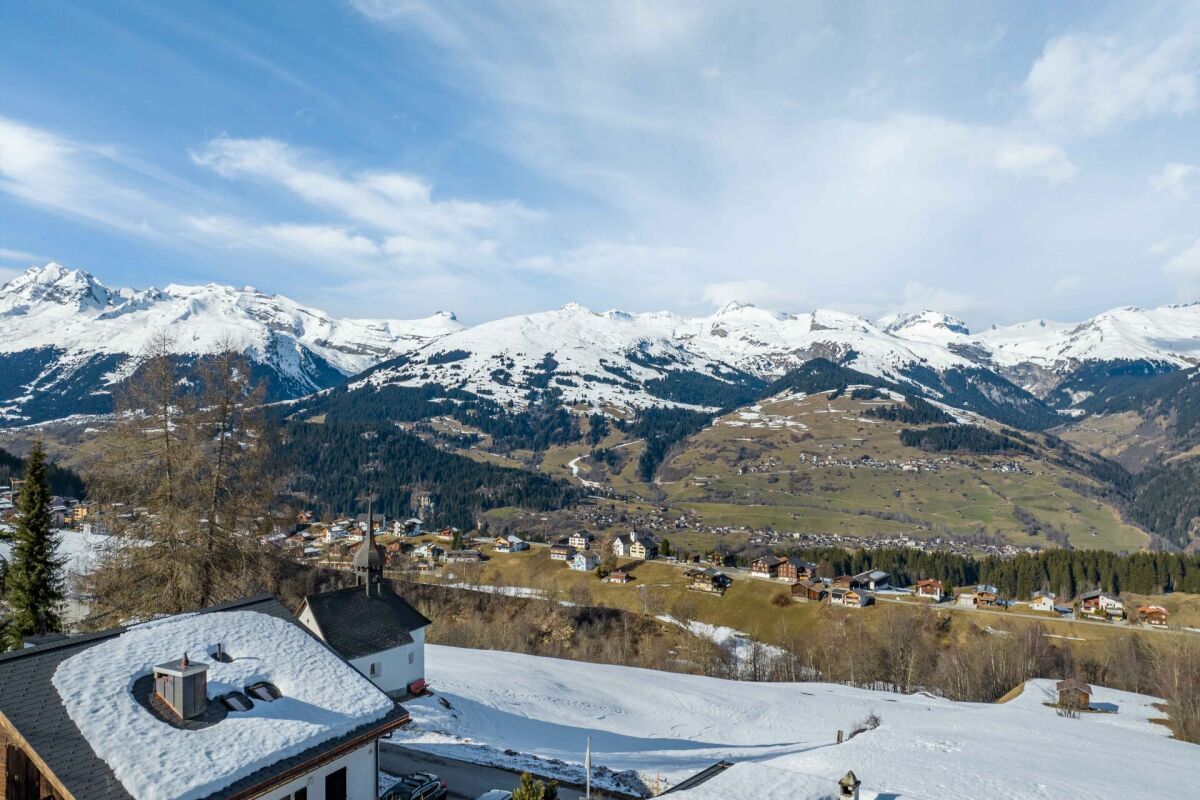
(531, 789)
(34, 583)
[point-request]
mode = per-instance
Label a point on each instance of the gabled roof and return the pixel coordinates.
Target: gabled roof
(355, 624)
(32, 705)
(1092, 595)
(1073, 683)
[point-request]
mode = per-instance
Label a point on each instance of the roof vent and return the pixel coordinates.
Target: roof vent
(183, 686)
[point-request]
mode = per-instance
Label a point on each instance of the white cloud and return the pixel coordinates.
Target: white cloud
(752, 290)
(1086, 84)
(399, 207)
(1183, 269)
(19, 255)
(919, 295)
(1175, 179)
(1041, 160)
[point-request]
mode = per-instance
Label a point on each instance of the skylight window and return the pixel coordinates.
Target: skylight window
(267, 692)
(236, 701)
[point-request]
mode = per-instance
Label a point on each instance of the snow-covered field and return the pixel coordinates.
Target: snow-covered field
(782, 737)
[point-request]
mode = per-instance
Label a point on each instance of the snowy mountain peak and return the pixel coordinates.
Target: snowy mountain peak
(923, 322)
(68, 331)
(52, 285)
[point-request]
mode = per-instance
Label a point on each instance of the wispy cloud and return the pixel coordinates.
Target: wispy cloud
(1175, 179)
(1087, 84)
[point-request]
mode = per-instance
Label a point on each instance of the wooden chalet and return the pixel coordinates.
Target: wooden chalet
(842, 582)
(619, 576)
(986, 595)
(851, 598)
(1154, 615)
(795, 569)
(929, 587)
(767, 566)
(1074, 693)
(709, 580)
(809, 591)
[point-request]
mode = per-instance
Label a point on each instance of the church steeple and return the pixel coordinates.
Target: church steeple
(369, 557)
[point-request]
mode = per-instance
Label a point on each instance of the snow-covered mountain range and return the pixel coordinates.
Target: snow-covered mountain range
(633, 360)
(65, 339)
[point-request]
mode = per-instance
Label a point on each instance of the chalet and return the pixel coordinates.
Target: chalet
(986, 595)
(619, 576)
(767, 566)
(1074, 693)
(929, 587)
(509, 544)
(584, 561)
(581, 540)
(561, 552)
(89, 718)
(464, 557)
(808, 590)
(1154, 615)
(708, 580)
(871, 580)
(842, 582)
(447, 534)
(1103, 604)
(848, 597)
(795, 569)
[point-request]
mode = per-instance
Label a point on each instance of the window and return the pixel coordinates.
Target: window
(301, 794)
(412, 657)
(335, 785)
(375, 669)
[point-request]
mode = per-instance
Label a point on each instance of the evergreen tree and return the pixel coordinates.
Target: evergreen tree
(531, 789)
(34, 582)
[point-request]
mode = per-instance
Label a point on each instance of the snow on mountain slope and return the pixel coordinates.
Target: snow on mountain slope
(782, 736)
(607, 358)
(1168, 334)
(61, 327)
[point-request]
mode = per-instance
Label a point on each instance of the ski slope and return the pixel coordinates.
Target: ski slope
(782, 737)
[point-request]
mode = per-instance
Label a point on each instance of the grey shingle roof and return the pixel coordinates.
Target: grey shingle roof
(29, 701)
(356, 625)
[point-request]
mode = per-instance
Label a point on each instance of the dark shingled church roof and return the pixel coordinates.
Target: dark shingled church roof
(356, 624)
(31, 704)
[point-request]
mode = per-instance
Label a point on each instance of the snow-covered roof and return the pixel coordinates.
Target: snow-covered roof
(323, 698)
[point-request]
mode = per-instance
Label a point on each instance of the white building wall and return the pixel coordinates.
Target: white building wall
(396, 668)
(362, 778)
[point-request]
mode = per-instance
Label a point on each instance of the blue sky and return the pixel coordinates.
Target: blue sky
(396, 157)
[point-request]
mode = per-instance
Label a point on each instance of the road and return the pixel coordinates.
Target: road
(467, 781)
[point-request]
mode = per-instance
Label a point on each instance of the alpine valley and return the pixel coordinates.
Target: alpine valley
(1067, 434)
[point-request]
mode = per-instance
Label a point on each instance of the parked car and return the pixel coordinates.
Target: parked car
(417, 786)
(496, 794)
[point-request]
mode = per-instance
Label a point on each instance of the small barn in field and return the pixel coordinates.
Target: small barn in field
(1074, 693)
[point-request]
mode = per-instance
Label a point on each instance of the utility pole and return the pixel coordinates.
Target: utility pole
(587, 768)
